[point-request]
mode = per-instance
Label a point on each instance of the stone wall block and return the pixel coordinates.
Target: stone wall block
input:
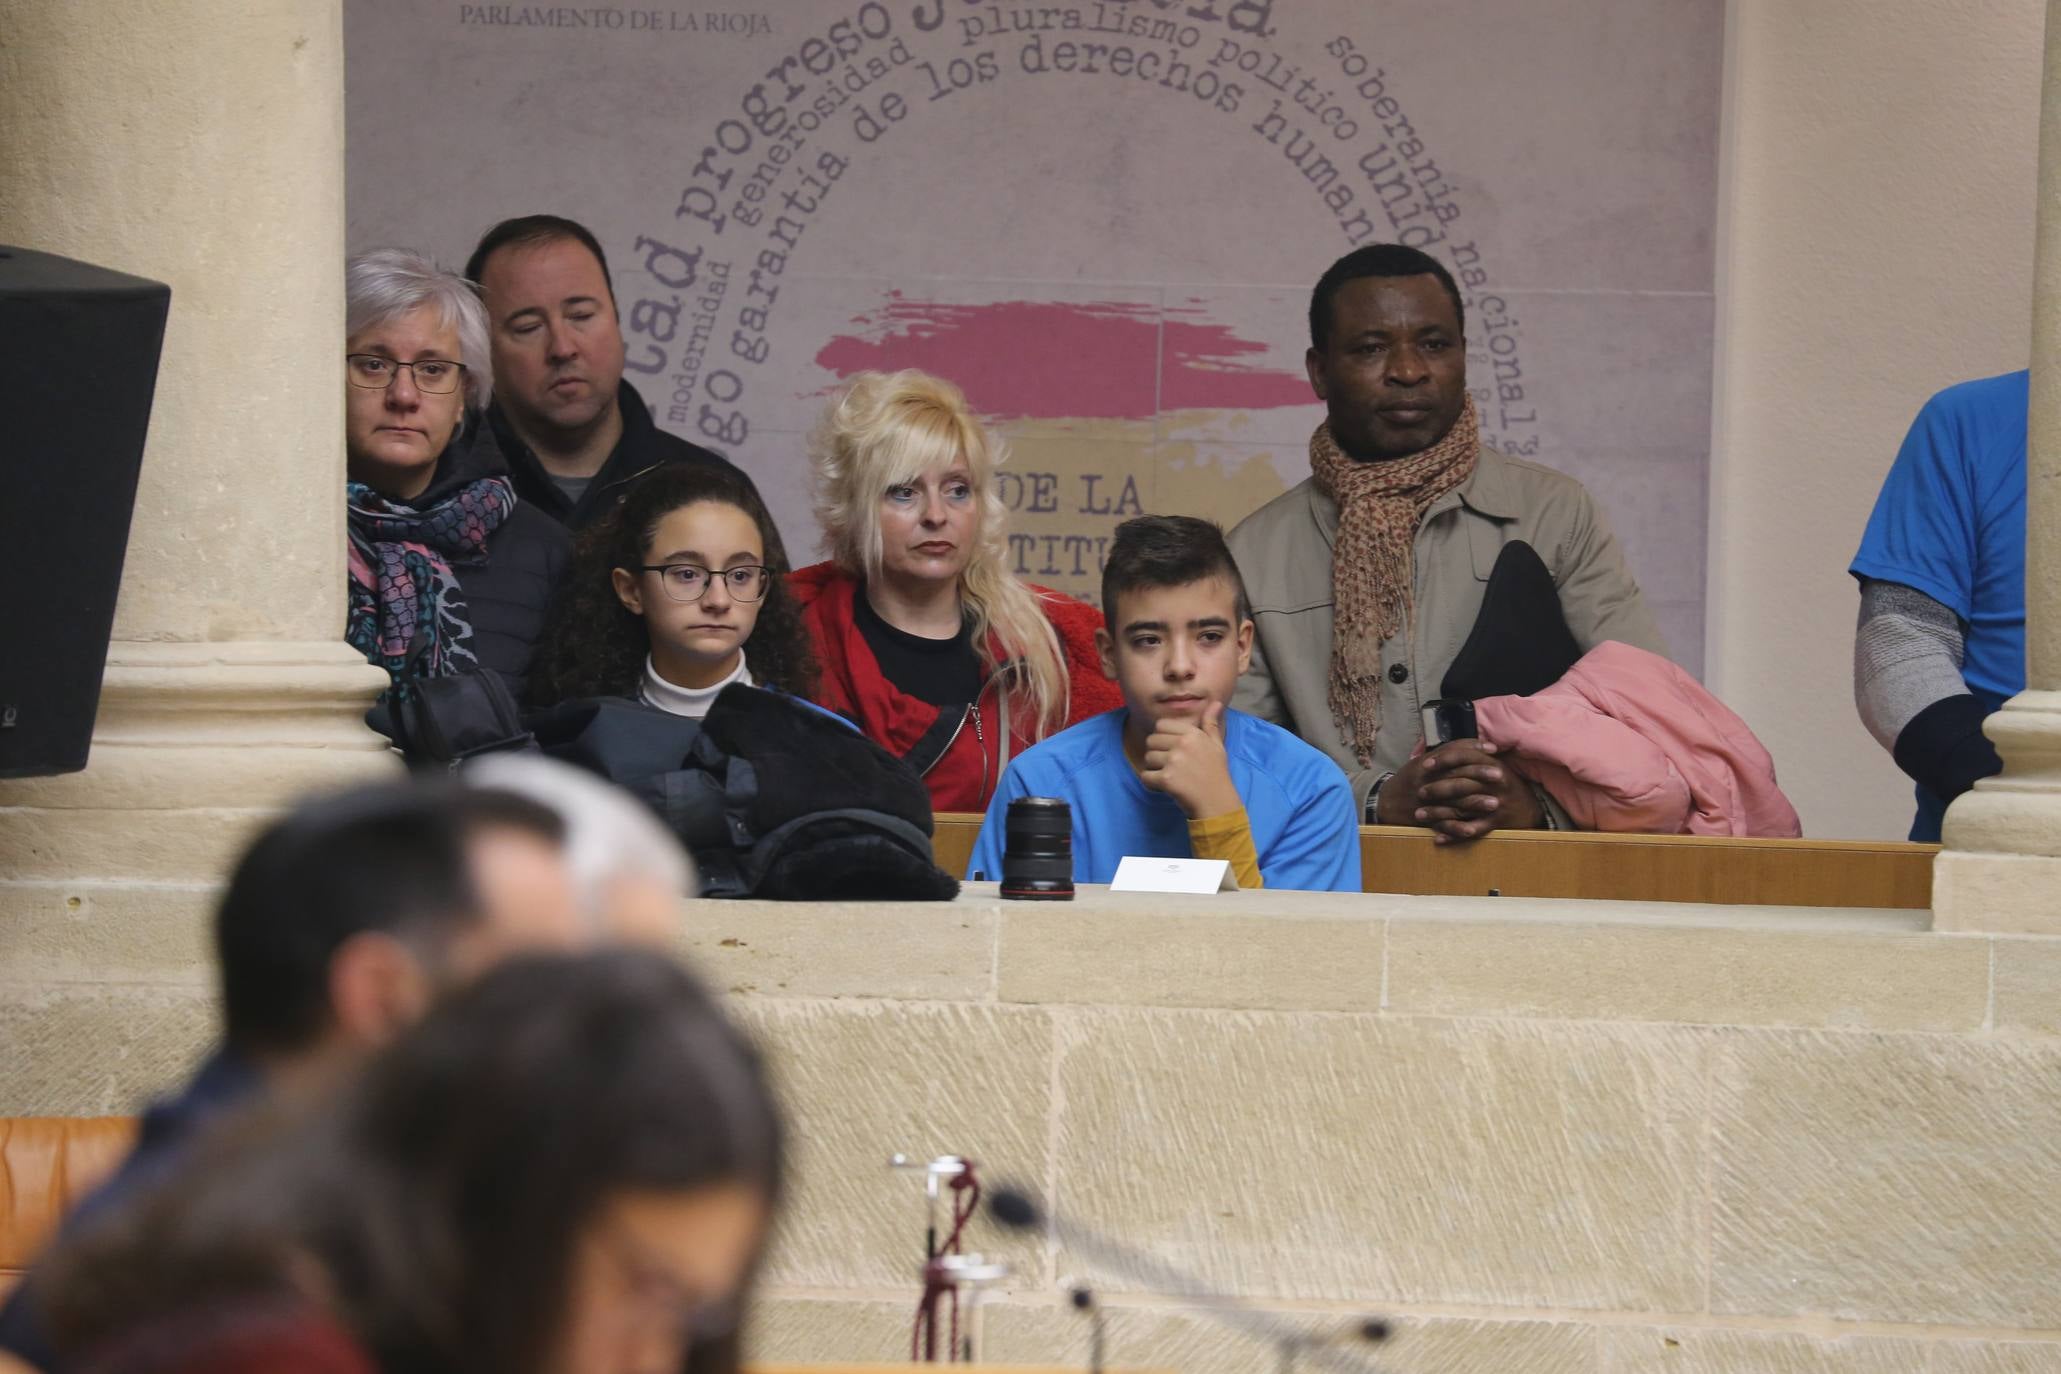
(2000, 1357)
(1370, 1159)
(1675, 1350)
(1740, 974)
(787, 1328)
(2009, 894)
(1887, 1178)
(190, 845)
(98, 1051)
(2028, 986)
(863, 1080)
(100, 932)
(920, 951)
(1149, 950)
(211, 774)
(1195, 1343)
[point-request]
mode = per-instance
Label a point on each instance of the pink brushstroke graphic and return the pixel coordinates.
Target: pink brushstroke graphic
(1048, 360)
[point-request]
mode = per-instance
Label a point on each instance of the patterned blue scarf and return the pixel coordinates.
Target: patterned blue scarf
(408, 614)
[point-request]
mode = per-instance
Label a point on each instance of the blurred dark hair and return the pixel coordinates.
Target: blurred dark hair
(595, 646)
(437, 1205)
(392, 857)
(534, 231)
(1377, 260)
(1166, 551)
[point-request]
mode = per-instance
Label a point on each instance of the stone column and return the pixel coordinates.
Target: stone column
(201, 144)
(2001, 870)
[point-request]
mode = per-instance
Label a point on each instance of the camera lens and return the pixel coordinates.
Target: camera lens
(1037, 852)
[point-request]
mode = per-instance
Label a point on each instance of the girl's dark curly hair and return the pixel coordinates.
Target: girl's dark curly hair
(594, 646)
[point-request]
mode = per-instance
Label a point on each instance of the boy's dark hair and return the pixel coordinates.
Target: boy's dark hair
(1166, 551)
(594, 646)
(1375, 260)
(393, 857)
(533, 231)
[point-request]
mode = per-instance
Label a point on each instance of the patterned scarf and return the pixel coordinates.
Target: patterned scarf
(407, 613)
(1380, 505)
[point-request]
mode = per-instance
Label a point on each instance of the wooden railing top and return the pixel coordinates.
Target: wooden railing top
(1628, 868)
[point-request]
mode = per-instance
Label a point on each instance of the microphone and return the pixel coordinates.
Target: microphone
(1013, 1209)
(1017, 1211)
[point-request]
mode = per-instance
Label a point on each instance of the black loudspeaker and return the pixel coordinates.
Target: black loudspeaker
(78, 363)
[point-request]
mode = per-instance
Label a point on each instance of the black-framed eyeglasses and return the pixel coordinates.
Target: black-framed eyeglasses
(690, 581)
(436, 376)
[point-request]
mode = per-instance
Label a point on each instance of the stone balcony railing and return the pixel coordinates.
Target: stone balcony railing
(1545, 1136)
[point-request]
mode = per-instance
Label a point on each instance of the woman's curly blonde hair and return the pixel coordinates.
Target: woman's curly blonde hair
(888, 428)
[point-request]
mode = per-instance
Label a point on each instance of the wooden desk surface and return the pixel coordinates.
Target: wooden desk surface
(758, 1367)
(928, 1368)
(1632, 868)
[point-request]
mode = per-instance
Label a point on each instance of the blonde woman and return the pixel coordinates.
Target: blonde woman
(922, 635)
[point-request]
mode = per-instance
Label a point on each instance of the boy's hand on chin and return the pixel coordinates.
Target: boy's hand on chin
(1185, 758)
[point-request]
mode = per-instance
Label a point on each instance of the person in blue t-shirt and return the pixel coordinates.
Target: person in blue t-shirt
(1941, 640)
(1174, 772)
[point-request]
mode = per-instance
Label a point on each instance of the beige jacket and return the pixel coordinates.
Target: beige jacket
(1284, 553)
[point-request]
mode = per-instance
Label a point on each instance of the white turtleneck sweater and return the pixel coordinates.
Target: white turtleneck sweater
(686, 701)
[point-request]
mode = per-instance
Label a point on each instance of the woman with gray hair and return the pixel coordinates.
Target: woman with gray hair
(448, 572)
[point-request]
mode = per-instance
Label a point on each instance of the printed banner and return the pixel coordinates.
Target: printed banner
(1101, 219)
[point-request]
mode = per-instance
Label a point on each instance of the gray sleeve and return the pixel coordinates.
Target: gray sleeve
(1598, 594)
(1907, 654)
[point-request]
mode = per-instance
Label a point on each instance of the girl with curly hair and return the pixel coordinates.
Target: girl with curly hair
(666, 591)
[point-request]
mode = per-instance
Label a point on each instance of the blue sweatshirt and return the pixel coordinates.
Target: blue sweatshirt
(1305, 828)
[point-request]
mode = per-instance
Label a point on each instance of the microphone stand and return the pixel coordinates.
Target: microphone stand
(976, 1276)
(1098, 1328)
(934, 1175)
(946, 1268)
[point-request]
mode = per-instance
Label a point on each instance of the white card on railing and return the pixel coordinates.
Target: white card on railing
(1136, 874)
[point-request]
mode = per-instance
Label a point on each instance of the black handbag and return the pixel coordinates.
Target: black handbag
(1520, 642)
(443, 721)
(774, 797)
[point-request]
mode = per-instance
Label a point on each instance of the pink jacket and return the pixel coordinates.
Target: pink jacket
(1628, 741)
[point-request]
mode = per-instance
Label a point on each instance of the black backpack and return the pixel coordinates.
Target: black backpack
(440, 722)
(774, 797)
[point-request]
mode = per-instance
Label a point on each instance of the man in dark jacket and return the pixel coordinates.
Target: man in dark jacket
(341, 923)
(569, 425)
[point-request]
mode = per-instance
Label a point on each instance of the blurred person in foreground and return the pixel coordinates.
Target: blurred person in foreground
(568, 1167)
(629, 872)
(342, 923)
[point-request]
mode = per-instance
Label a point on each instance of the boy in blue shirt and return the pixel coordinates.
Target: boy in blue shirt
(1174, 772)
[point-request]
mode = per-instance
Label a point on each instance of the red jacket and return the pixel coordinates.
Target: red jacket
(964, 776)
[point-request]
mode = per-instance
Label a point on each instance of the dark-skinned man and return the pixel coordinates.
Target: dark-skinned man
(1367, 578)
